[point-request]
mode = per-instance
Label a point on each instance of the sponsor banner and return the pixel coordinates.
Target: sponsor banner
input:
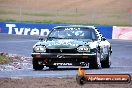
(27, 28)
(41, 29)
(106, 31)
(122, 33)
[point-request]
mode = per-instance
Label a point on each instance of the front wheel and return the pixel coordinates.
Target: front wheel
(106, 63)
(36, 66)
(95, 62)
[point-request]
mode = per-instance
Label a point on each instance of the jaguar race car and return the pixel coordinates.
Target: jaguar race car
(72, 46)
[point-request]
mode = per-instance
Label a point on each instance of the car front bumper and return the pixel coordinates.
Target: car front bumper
(62, 55)
(65, 59)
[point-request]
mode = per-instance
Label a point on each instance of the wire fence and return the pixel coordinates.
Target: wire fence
(72, 15)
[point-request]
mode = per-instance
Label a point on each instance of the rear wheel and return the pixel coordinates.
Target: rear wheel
(95, 62)
(36, 66)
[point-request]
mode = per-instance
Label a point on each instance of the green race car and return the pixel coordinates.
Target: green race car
(72, 46)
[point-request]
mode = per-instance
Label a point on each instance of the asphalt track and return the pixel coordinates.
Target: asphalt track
(121, 58)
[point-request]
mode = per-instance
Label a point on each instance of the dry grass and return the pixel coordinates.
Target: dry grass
(108, 12)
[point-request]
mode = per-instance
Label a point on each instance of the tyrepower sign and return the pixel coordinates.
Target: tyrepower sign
(42, 29)
(26, 28)
(12, 28)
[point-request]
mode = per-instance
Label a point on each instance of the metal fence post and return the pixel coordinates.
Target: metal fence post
(20, 14)
(130, 17)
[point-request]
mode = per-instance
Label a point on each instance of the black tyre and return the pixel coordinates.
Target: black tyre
(36, 66)
(95, 63)
(106, 63)
(52, 67)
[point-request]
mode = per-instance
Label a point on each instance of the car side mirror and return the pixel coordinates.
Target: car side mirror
(41, 39)
(103, 39)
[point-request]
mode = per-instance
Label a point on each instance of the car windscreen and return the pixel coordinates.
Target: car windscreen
(73, 33)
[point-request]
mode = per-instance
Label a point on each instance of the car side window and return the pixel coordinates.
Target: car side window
(93, 35)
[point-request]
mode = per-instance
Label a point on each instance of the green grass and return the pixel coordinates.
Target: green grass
(8, 20)
(4, 59)
(58, 22)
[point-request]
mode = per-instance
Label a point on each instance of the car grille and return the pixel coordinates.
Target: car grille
(61, 50)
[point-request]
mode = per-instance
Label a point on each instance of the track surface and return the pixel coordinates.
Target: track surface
(121, 58)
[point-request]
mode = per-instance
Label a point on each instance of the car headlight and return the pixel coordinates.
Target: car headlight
(83, 49)
(39, 48)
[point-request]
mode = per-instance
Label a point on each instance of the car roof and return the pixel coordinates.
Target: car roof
(92, 27)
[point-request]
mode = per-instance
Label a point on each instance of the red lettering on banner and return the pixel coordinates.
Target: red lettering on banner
(130, 11)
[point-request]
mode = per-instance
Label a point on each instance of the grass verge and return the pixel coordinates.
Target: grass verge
(59, 22)
(4, 59)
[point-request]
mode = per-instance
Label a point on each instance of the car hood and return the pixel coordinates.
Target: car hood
(64, 43)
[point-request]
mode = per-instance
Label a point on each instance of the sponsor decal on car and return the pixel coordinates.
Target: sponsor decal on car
(65, 64)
